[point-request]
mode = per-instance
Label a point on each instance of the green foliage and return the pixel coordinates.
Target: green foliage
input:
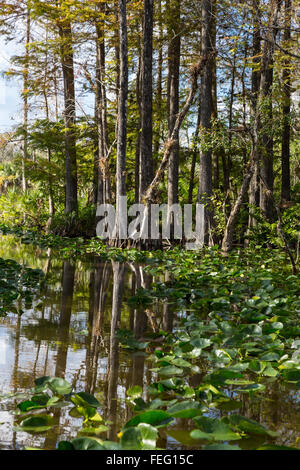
(75, 224)
(265, 233)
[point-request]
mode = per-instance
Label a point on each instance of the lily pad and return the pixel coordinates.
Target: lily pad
(213, 429)
(153, 417)
(186, 409)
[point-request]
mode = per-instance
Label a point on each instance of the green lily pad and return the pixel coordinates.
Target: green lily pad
(83, 399)
(38, 423)
(170, 371)
(153, 417)
(59, 386)
(250, 426)
(186, 409)
(86, 443)
(213, 429)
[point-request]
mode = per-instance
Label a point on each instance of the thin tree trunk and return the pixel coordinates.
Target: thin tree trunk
(122, 119)
(146, 157)
(139, 124)
(266, 84)
(205, 178)
(25, 97)
(67, 61)
(230, 119)
(117, 61)
(50, 182)
(286, 108)
(173, 96)
(215, 155)
(255, 80)
(194, 157)
(104, 184)
(158, 91)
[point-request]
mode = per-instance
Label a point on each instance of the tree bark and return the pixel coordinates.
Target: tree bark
(25, 97)
(286, 108)
(205, 178)
(254, 190)
(139, 123)
(266, 114)
(174, 26)
(104, 184)
(122, 117)
(159, 90)
(146, 157)
(67, 61)
(194, 156)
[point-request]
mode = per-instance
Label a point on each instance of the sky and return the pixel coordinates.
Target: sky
(10, 100)
(11, 114)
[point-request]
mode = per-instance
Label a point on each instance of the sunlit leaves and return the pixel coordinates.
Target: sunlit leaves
(156, 418)
(141, 437)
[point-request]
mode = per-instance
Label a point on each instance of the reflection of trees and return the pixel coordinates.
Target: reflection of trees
(65, 317)
(68, 278)
(140, 323)
(98, 292)
(113, 358)
(15, 381)
(277, 409)
(168, 314)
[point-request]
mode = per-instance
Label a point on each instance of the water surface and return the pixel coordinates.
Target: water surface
(69, 331)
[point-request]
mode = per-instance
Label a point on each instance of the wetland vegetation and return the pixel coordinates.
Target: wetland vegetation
(135, 343)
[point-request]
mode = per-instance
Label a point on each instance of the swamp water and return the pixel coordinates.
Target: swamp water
(69, 331)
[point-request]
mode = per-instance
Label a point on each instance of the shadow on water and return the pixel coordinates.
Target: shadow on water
(69, 331)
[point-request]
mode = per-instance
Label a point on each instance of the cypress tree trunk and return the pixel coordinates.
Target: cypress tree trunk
(122, 119)
(104, 184)
(205, 179)
(267, 144)
(99, 155)
(266, 84)
(255, 80)
(173, 95)
(45, 95)
(25, 97)
(286, 108)
(194, 157)
(146, 157)
(158, 90)
(215, 155)
(139, 123)
(117, 58)
(67, 61)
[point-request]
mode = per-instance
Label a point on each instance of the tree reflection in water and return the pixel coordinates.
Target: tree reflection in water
(71, 333)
